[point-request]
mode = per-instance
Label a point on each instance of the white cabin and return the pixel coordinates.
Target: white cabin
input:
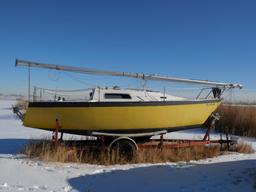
(115, 94)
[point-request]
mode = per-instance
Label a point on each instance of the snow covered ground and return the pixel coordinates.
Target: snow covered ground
(232, 172)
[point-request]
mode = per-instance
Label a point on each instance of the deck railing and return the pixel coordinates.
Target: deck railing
(45, 94)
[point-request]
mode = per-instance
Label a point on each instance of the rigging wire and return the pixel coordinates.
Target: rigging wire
(55, 76)
(78, 80)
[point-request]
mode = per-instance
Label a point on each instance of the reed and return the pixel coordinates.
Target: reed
(238, 120)
(244, 148)
(46, 151)
(176, 154)
(21, 104)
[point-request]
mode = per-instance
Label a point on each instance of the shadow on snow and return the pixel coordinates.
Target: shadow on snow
(228, 176)
(12, 146)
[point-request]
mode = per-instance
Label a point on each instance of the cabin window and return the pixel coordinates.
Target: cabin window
(117, 96)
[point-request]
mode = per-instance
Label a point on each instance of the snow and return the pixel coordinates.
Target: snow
(230, 172)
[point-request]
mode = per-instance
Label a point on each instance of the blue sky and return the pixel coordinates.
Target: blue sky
(199, 39)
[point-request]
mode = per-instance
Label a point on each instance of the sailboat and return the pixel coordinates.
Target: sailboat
(113, 110)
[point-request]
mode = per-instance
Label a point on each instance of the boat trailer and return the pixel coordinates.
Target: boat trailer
(130, 143)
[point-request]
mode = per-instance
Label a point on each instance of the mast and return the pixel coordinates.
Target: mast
(143, 76)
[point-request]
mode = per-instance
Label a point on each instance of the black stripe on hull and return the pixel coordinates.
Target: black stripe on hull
(119, 104)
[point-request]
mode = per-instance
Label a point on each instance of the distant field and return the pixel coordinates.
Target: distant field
(238, 120)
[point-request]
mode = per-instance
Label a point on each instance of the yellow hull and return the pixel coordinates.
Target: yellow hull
(119, 117)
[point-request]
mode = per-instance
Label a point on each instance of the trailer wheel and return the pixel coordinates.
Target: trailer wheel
(122, 149)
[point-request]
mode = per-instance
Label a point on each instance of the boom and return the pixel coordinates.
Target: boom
(84, 70)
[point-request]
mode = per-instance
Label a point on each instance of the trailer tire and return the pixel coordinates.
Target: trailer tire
(122, 149)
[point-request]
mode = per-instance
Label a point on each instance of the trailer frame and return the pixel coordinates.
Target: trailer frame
(122, 143)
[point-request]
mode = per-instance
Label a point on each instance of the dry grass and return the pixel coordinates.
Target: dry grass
(238, 120)
(21, 104)
(244, 148)
(176, 154)
(47, 152)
